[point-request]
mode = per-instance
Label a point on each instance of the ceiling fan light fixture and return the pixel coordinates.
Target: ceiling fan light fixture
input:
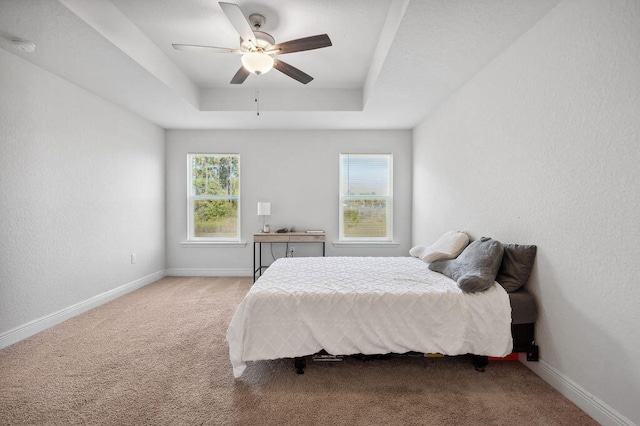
(257, 62)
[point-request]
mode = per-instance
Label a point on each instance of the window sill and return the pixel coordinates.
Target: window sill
(207, 244)
(366, 243)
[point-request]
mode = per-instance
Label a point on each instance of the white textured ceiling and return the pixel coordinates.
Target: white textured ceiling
(392, 61)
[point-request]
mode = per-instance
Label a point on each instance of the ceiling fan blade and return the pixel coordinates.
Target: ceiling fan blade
(239, 22)
(206, 49)
(292, 71)
(302, 44)
(240, 76)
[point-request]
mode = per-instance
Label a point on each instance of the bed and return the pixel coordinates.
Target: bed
(371, 305)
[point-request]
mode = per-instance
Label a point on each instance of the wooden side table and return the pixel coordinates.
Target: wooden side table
(281, 237)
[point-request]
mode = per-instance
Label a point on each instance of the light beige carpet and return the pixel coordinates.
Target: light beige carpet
(159, 356)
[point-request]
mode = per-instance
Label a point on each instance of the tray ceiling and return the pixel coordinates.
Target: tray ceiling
(392, 61)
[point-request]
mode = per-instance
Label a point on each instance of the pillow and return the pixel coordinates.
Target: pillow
(449, 246)
(516, 266)
(476, 267)
(416, 251)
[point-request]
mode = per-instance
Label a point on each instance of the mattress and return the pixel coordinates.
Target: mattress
(364, 305)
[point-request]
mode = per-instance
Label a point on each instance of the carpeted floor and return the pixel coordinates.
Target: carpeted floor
(159, 356)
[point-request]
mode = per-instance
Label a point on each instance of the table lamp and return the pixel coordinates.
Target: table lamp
(264, 209)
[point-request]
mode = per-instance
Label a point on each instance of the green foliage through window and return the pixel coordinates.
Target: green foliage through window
(214, 196)
(365, 219)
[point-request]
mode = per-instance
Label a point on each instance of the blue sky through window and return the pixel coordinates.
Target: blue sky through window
(365, 174)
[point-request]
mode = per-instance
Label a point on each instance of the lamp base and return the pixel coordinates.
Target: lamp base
(266, 228)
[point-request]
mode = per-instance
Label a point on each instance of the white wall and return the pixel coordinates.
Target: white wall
(81, 189)
(543, 147)
(297, 171)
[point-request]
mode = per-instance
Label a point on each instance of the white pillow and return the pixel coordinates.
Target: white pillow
(416, 251)
(449, 246)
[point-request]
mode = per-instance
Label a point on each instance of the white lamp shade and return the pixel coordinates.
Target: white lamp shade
(264, 209)
(257, 62)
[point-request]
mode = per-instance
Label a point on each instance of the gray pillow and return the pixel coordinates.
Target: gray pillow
(516, 266)
(476, 267)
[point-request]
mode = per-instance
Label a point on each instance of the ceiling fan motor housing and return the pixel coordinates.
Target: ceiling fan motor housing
(264, 41)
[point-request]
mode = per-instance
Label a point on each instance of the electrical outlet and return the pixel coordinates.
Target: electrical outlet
(292, 250)
(133, 258)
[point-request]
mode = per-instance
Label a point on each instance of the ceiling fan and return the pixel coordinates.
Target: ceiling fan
(259, 49)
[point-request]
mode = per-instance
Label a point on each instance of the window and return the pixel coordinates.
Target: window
(366, 197)
(214, 197)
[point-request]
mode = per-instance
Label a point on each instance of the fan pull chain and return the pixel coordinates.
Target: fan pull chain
(258, 102)
(257, 99)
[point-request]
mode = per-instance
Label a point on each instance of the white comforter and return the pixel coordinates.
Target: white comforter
(367, 305)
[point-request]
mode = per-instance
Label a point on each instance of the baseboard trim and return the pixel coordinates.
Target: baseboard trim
(208, 272)
(36, 326)
(602, 412)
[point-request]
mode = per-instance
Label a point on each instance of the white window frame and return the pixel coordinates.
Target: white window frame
(388, 198)
(191, 198)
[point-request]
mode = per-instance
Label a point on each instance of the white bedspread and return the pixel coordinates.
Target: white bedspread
(364, 305)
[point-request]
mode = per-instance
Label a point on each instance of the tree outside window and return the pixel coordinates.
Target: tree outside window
(214, 197)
